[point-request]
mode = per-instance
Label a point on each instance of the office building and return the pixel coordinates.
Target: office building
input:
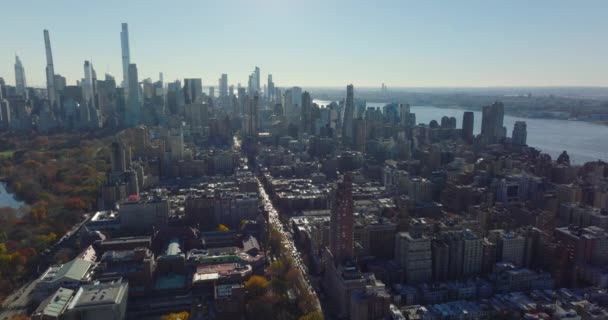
(347, 120)
(257, 79)
(468, 124)
(306, 115)
(413, 253)
(492, 129)
(193, 90)
(223, 85)
(296, 98)
(197, 114)
(520, 134)
(270, 89)
(360, 135)
(253, 85)
(133, 109)
(20, 83)
(250, 119)
(176, 145)
(406, 118)
(175, 97)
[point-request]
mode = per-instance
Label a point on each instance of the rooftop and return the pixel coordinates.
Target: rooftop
(99, 294)
(76, 269)
(55, 304)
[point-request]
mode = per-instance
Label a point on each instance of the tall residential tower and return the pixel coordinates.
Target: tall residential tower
(19, 77)
(341, 234)
(126, 56)
(50, 70)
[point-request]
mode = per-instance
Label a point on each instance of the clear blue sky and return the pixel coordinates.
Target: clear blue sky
(318, 42)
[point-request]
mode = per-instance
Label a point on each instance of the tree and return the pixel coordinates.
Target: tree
(315, 315)
(277, 268)
(38, 212)
(279, 286)
(256, 286)
(184, 315)
(64, 255)
(275, 242)
(292, 275)
(74, 204)
(41, 142)
(261, 308)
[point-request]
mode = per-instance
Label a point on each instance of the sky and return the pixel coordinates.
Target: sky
(476, 43)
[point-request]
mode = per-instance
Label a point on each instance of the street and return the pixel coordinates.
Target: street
(287, 242)
(17, 302)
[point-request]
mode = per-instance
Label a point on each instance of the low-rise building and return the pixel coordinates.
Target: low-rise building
(99, 301)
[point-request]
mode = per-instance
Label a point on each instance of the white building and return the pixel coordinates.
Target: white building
(99, 301)
(413, 253)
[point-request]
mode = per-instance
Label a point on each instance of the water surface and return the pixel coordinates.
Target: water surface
(584, 141)
(8, 199)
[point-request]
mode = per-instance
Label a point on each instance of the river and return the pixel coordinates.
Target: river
(7, 199)
(583, 141)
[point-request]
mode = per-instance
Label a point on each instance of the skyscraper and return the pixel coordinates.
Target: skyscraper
(341, 241)
(306, 112)
(223, 85)
(19, 77)
(406, 118)
(242, 101)
(270, 89)
(347, 121)
(359, 135)
(296, 96)
(257, 79)
(288, 104)
(253, 85)
(87, 85)
(520, 133)
(126, 56)
(492, 129)
(193, 90)
(133, 102)
(117, 157)
(50, 70)
(175, 97)
(252, 114)
(468, 123)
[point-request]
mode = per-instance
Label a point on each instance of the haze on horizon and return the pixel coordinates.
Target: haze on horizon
(314, 43)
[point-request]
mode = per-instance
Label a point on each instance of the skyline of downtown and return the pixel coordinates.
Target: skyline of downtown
(308, 55)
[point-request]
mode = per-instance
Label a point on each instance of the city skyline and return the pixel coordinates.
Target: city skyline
(434, 45)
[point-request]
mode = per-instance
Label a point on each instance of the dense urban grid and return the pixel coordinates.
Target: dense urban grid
(255, 202)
